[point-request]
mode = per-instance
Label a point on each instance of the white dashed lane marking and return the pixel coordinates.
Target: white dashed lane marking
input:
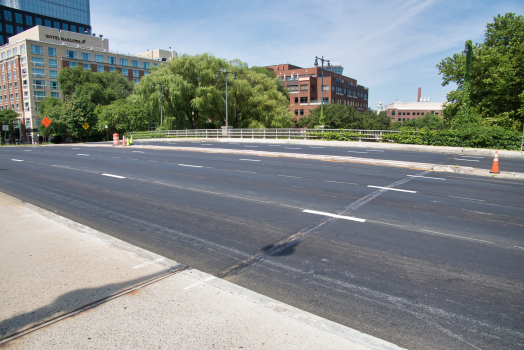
(333, 215)
(392, 189)
(117, 176)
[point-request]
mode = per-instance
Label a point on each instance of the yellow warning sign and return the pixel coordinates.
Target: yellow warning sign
(85, 126)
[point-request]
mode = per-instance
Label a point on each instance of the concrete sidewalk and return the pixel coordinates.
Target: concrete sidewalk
(67, 286)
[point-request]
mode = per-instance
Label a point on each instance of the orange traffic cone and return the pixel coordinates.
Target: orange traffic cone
(495, 167)
(123, 141)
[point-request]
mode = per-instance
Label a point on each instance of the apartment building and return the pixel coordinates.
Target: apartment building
(30, 63)
(402, 111)
(17, 16)
(304, 85)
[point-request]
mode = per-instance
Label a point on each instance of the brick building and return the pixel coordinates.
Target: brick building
(304, 85)
(401, 111)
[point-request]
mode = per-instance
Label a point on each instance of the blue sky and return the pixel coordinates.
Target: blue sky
(389, 46)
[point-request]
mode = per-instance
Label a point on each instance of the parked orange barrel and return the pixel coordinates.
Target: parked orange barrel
(116, 140)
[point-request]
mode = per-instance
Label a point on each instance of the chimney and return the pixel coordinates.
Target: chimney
(419, 93)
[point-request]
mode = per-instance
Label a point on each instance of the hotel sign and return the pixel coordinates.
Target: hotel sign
(77, 41)
(303, 78)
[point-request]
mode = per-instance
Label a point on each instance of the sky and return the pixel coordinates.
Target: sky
(389, 46)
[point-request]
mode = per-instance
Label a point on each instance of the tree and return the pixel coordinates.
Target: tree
(7, 117)
(497, 76)
(193, 96)
(430, 121)
(122, 117)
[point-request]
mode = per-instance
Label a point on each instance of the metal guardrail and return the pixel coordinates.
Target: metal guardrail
(367, 135)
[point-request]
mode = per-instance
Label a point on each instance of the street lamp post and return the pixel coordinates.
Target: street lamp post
(167, 87)
(322, 121)
(234, 77)
(129, 94)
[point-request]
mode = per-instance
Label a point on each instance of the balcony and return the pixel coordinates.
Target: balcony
(25, 86)
(38, 75)
(38, 86)
(39, 97)
(53, 87)
(318, 102)
(38, 64)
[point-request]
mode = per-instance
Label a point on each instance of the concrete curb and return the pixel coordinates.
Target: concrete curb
(356, 144)
(392, 163)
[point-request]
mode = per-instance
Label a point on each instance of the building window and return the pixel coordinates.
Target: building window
(301, 112)
(28, 20)
(19, 29)
(47, 23)
(99, 58)
(39, 95)
(9, 28)
(296, 111)
(73, 28)
(38, 84)
(53, 63)
(72, 64)
(111, 60)
(392, 112)
(135, 72)
(53, 74)
(81, 30)
(64, 27)
(124, 71)
(57, 25)
(22, 49)
(147, 73)
(51, 51)
(38, 73)
(332, 88)
(325, 87)
(292, 88)
(99, 68)
(8, 16)
(54, 85)
(408, 113)
(134, 63)
(296, 99)
(123, 62)
(332, 100)
(303, 87)
(145, 65)
(303, 100)
(37, 61)
(112, 69)
(87, 66)
(38, 21)
(55, 94)
(85, 56)
(71, 54)
(136, 81)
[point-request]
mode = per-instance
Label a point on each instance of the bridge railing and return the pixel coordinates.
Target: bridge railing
(277, 133)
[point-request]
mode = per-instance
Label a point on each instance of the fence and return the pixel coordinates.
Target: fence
(367, 135)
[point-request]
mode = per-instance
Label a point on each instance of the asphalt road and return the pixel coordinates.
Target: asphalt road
(433, 262)
(481, 162)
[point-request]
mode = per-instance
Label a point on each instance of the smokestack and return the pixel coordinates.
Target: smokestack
(419, 93)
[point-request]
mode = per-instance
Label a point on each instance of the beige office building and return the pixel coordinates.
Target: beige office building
(30, 63)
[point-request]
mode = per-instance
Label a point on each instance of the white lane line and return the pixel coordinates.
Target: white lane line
(274, 145)
(245, 171)
(249, 199)
(192, 166)
(342, 182)
(81, 154)
(290, 206)
(427, 177)
(196, 284)
(252, 160)
(138, 152)
(17, 160)
(296, 177)
(111, 175)
(384, 223)
(393, 189)
(466, 160)
(250, 146)
(516, 246)
(356, 152)
(373, 150)
(292, 147)
(148, 263)
(471, 157)
(333, 215)
(316, 147)
(461, 237)
(131, 158)
(199, 190)
(28, 150)
(469, 199)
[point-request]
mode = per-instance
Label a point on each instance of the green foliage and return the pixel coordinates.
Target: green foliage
(497, 78)
(430, 121)
(336, 136)
(7, 117)
(338, 116)
(469, 136)
(121, 117)
(193, 97)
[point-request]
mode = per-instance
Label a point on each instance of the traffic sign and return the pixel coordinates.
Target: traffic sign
(46, 121)
(5, 128)
(85, 126)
